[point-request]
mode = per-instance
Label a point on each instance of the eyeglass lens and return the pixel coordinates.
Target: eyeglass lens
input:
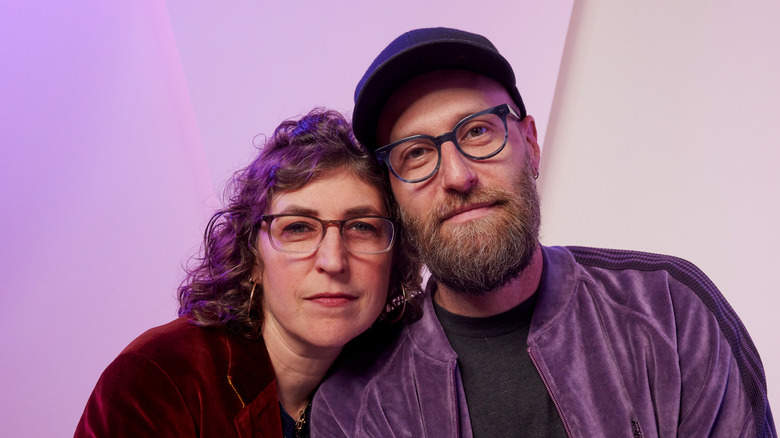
(477, 137)
(302, 234)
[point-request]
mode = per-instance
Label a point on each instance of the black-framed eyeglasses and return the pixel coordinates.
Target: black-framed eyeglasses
(478, 137)
(298, 233)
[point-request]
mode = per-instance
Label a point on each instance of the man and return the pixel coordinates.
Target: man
(517, 339)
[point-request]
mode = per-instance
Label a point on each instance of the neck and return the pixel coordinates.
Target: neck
(502, 299)
(298, 369)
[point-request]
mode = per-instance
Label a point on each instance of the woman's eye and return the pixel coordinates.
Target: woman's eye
(361, 227)
(298, 228)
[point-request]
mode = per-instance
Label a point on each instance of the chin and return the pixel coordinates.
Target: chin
(335, 335)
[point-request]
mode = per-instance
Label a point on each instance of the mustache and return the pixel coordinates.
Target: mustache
(458, 201)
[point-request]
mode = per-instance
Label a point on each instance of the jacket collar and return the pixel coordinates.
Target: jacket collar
(557, 287)
(427, 333)
(555, 291)
(252, 378)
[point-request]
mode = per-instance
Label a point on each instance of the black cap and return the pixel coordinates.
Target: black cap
(420, 51)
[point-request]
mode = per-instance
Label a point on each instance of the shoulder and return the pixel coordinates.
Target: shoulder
(634, 276)
(668, 293)
(146, 387)
(178, 345)
(625, 260)
(414, 361)
(171, 375)
(674, 293)
(655, 292)
(365, 363)
(380, 355)
(366, 357)
(173, 337)
(187, 350)
(178, 348)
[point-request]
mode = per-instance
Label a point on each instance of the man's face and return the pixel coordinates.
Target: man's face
(475, 223)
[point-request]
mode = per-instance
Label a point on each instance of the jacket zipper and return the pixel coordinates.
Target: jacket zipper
(552, 396)
(454, 393)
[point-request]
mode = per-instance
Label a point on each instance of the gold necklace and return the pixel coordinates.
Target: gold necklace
(301, 421)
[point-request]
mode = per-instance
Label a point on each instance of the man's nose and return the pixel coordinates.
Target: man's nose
(456, 171)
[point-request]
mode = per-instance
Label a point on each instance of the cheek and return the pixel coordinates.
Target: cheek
(384, 286)
(377, 278)
(408, 195)
(274, 288)
(280, 280)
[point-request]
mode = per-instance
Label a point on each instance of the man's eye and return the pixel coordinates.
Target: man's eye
(416, 152)
(476, 131)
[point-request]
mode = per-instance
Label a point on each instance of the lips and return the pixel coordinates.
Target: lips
(332, 299)
(466, 209)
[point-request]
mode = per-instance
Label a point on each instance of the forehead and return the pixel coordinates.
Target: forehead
(332, 195)
(441, 97)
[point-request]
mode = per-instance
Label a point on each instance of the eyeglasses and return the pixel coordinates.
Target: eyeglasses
(304, 234)
(478, 137)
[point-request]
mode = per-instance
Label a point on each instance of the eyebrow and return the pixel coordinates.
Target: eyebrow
(360, 210)
(458, 118)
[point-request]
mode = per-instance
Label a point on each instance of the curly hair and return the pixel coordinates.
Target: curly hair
(217, 287)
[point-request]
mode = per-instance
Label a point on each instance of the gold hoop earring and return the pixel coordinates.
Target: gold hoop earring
(403, 308)
(251, 296)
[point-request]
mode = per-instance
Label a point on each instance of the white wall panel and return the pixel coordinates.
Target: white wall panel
(663, 137)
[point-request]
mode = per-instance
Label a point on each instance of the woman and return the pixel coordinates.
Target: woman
(298, 264)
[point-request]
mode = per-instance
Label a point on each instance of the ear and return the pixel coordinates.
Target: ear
(257, 270)
(257, 273)
(528, 129)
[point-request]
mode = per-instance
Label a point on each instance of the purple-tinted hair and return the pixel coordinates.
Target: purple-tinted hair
(216, 290)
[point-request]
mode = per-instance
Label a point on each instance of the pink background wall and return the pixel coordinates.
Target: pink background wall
(121, 121)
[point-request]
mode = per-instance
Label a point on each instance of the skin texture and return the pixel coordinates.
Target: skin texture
(315, 303)
(432, 104)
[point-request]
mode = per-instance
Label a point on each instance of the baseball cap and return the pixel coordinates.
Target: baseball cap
(420, 51)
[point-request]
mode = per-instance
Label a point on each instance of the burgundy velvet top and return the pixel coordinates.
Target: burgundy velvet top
(181, 380)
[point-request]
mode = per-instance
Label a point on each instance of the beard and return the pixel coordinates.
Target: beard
(481, 255)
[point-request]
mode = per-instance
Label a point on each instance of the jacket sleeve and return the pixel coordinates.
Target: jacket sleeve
(134, 397)
(723, 388)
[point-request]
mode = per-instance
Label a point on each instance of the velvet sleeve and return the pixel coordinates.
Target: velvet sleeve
(715, 385)
(723, 391)
(134, 397)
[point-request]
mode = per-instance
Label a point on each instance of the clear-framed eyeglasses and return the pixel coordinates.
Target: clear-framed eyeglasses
(300, 234)
(478, 137)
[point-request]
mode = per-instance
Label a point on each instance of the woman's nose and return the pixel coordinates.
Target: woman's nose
(332, 255)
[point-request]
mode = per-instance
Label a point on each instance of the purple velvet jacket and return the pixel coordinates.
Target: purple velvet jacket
(627, 344)
(181, 380)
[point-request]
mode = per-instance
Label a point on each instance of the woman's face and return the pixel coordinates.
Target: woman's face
(324, 298)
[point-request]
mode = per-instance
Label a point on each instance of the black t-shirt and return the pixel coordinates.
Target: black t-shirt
(505, 394)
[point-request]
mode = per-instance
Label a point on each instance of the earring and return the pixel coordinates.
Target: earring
(537, 173)
(251, 295)
(403, 309)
